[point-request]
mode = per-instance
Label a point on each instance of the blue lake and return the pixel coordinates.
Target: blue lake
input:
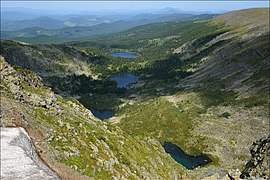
(124, 54)
(102, 114)
(123, 80)
(190, 162)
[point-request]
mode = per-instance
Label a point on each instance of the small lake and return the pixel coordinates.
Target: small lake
(102, 114)
(124, 54)
(190, 162)
(123, 80)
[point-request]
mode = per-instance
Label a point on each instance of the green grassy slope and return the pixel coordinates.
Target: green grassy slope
(152, 40)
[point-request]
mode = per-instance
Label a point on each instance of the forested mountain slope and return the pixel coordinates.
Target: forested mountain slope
(46, 30)
(48, 60)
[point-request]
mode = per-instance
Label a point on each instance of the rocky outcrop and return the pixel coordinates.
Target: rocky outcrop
(259, 164)
(15, 80)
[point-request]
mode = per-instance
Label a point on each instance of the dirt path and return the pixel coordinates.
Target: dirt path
(19, 159)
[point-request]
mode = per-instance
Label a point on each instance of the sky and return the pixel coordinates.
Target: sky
(78, 6)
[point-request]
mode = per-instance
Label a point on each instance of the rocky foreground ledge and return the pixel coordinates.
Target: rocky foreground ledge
(19, 159)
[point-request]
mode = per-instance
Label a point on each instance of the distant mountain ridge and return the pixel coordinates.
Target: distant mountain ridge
(47, 22)
(86, 25)
(42, 22)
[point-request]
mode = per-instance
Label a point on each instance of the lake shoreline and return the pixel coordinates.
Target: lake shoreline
(124, 55)
(123, 81)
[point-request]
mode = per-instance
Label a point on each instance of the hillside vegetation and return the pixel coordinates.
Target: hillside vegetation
(48, 60)
(70, 71)
(211, 96)
(70, 139)
(203, 86)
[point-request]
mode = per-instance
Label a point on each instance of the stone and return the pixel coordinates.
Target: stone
(42, 104)
(258, 166)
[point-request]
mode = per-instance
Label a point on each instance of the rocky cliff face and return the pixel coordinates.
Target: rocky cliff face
(237, 60)
(259, 164)
(71, 141)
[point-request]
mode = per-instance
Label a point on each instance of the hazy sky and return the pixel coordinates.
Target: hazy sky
(76, 6)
